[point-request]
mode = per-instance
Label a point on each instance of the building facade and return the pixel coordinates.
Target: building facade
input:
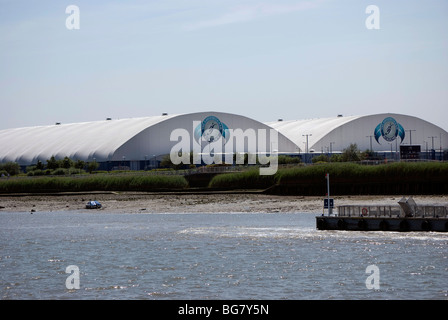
(141, 143)
(387, 134)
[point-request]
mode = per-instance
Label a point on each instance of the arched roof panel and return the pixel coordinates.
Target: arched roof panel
(86, 140)
(340, 132)
(316, 129)
(112, 140)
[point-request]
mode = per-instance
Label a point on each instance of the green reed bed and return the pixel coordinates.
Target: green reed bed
(92, 183)
(250, 179)
(345, 178)
(350, 178)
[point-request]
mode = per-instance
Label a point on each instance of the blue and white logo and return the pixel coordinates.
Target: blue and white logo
(211, 129)
(389, 129)
(219, 147)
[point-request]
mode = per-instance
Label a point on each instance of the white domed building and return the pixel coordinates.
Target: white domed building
(139, 143)
(385, 133)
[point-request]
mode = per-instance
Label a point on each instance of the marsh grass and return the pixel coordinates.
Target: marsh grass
(346, 178)
(250, 179)
(92, 183)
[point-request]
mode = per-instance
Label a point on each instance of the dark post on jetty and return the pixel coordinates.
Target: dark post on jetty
(328, 202)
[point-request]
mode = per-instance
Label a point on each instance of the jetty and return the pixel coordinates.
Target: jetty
(407, 215)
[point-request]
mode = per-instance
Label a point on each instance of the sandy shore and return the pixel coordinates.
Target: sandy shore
(129, 202)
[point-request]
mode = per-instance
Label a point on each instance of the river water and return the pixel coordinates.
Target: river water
(212, 256)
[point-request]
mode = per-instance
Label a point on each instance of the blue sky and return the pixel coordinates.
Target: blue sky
(262, 59)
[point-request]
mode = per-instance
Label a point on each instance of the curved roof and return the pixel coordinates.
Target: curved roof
(316, 129)
(341, 131)
(109, 140)
(85, 140)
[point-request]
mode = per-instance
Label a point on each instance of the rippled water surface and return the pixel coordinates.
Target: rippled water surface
(212, 256)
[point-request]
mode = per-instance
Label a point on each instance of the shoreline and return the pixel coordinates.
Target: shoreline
(203, 202)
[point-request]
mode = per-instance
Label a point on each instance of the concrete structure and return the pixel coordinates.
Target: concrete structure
(408, 216)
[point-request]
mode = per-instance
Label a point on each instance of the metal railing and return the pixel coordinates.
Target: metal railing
(421, 211)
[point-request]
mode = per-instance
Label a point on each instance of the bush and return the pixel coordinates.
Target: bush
(73, 170)
(282, 159)
(320, 158)
(11, 168)
(53, 166)
(35, 172)
(60, 172)
(250, 179)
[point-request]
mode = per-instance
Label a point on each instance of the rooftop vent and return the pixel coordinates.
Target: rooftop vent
(280, 119)
(164, 114)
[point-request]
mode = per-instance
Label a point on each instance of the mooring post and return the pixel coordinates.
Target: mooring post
(328, 193)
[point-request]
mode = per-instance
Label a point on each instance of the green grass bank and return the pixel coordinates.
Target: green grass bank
(345, 179)
(426, 178)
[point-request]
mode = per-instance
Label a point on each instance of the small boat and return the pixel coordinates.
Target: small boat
(93, 205)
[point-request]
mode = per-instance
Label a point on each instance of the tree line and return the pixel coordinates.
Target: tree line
(349, 154)
(51, 167)
(61, 167)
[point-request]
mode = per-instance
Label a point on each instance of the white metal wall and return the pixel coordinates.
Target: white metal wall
(155, 140)
(361, 132)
